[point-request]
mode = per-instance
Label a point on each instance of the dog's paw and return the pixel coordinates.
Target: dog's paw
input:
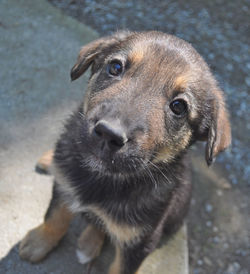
(44, 163)
(36, 245)
(82, 257)
(89, 244)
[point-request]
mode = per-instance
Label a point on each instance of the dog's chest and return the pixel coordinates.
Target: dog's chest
(118, 231)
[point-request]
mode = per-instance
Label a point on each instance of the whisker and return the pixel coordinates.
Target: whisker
(149, 173)
(81, 114)
(168, 169)
(164, 175)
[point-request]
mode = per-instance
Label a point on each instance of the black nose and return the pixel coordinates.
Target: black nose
(112, 133)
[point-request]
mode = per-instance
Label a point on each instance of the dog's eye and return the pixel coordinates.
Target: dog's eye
(178, 106)
(115, 68)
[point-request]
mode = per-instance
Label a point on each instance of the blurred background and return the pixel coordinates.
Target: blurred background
(33, 43)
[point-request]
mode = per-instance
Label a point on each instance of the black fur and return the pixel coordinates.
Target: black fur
(124, 197)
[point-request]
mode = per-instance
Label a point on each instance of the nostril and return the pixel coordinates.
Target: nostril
(116, 143)
(97, 131)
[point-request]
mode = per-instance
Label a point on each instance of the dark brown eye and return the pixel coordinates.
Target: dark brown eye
(115, 68)
(178, 106)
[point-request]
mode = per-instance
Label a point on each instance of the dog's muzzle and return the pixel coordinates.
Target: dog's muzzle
(111, 134)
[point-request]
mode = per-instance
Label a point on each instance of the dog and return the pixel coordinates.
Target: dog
(122, 159)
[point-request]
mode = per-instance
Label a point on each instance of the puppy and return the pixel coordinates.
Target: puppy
(122, 158)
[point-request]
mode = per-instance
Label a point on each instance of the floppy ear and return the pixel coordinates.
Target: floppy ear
(89, 52)
(219, 133)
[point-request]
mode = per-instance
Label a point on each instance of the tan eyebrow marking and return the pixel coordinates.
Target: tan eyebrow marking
(137, 55)
(180, 82)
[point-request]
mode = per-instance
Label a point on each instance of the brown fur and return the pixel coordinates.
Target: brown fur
(137, 56)
(91, 241)
(181, 82)
(116, 266)
(121, 233)
(44, 163)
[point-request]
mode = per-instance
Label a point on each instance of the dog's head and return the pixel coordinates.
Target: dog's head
(149, 97)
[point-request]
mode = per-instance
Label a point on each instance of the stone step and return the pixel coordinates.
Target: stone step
(170, 258)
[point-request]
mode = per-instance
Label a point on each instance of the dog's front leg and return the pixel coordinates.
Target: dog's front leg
(41, 240)
(90, 244)
(129, 258)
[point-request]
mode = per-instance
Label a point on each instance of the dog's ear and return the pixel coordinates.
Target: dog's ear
(219, 132)
(90, 51)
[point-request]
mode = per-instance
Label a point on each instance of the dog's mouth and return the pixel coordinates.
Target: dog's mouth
(114, 164)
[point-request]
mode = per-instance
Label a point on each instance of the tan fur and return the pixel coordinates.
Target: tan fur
(57, 224)
(44, 163)
(137, 55)
(155, 122)
(115, 267)
(181, 82)
(223, 125)
(91, 241)
(167, 153)
(122, 233)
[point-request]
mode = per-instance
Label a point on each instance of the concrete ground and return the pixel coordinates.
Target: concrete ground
(38, 46)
